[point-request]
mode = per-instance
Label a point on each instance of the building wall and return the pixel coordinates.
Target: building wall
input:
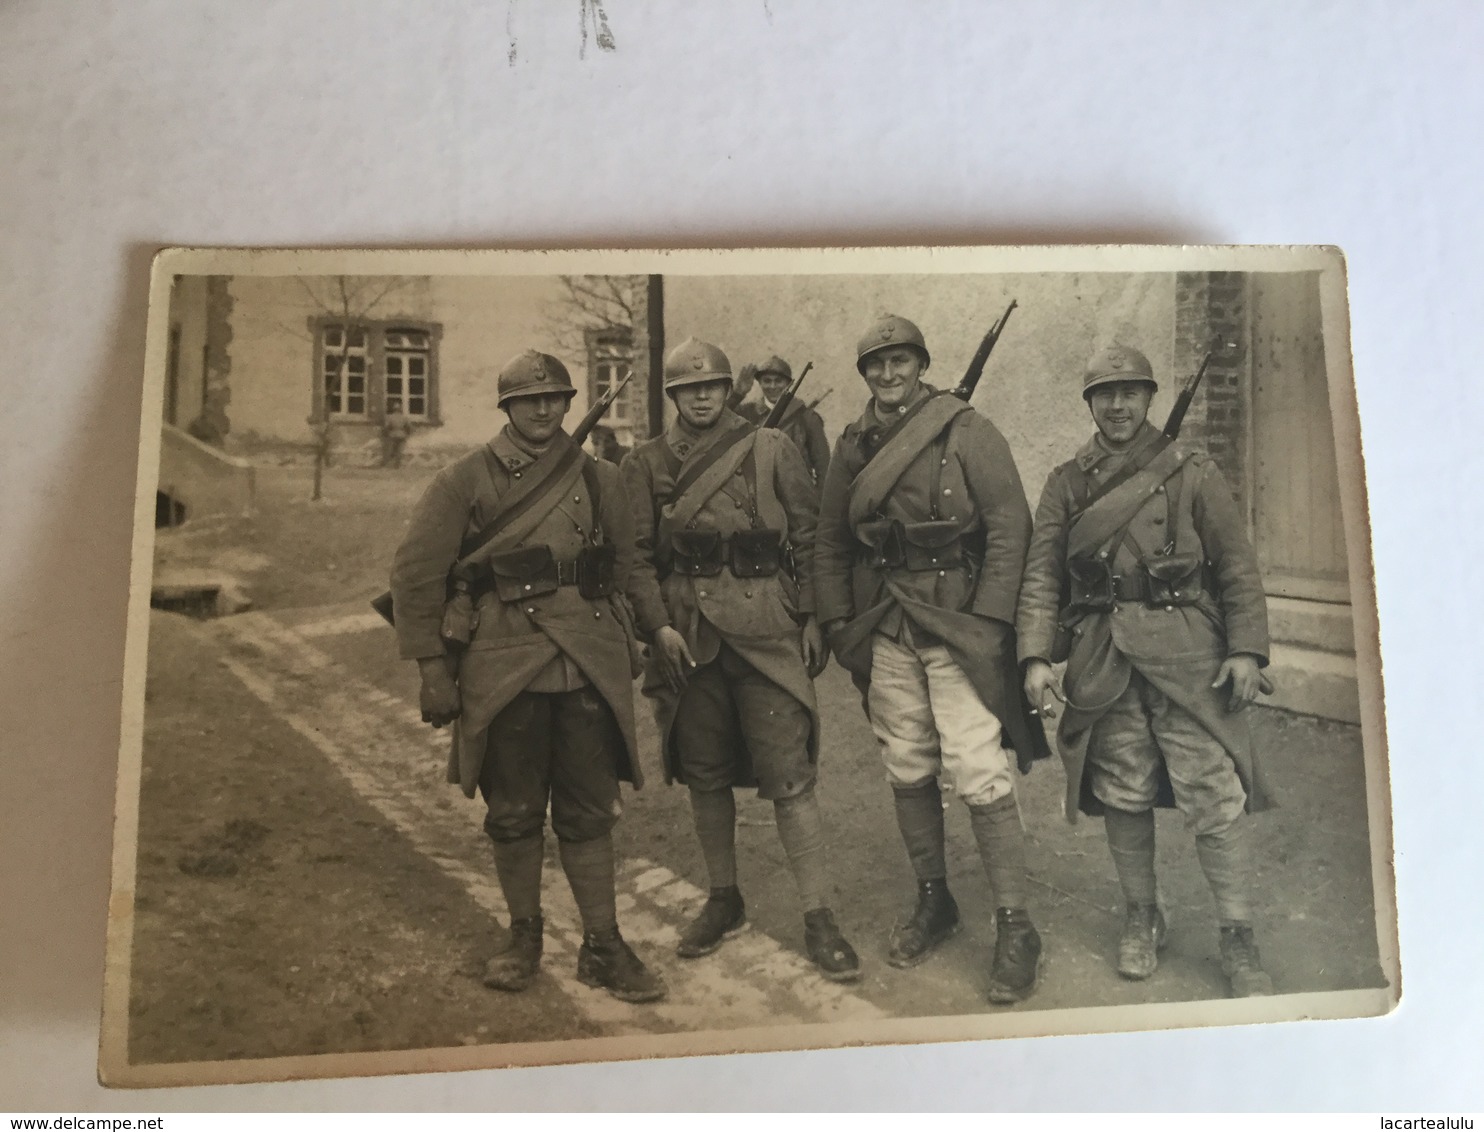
(484, 322)
(1032, 385)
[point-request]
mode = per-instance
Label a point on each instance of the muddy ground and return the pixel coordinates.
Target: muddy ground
(280, 912)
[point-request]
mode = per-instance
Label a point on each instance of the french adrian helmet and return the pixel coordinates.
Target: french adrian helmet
(888, 331)
(1117, 363)
(693, 362)
(777, 365)
(530, 373)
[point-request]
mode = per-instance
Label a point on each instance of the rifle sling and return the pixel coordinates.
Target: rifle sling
(519, 503)
(1136, 465)
(724, 444)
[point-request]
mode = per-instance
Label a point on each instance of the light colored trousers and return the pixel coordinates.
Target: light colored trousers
(930, 721)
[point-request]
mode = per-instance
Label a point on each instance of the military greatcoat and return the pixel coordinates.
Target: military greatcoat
(757, 617)
(802, 425)
(1179, 504)
(560, 638)
(969, 607)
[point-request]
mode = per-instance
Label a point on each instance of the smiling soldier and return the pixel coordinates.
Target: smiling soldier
(725, 530)
(923, 528)
(530, 659)
(1140, 575)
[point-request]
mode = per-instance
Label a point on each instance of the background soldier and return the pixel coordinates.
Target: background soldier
(541, 685)
(800, 423)
(922, 534)
(1158, 589)
(736, 644)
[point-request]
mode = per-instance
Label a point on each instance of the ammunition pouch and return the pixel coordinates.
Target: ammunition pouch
(524, 573)
(755, 553)
(696, 553)
(594, 569)
(933, 545)
(460, 617)
(1173, 579)
(1090, 584)
(884, 545)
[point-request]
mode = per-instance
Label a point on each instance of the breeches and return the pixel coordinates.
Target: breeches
(558, 745)
(735, 727)
(929, 720)
(1143, 728)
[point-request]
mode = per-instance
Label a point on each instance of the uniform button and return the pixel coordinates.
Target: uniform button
(943, 462)
(1169, 609)
(517, 475)
(528, 587)
(942, 573)
(1102, 554)
(597, 614)
(577, 499)
(1118, 609)
(948, 491)
(1161, 487)
(530, 609)
(1176, 593)
(700, 593)
(748, 594)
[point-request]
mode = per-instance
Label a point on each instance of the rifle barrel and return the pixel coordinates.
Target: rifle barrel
(965, 388)
(781, 406)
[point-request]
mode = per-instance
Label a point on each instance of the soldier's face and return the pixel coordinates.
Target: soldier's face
(894, 374)
(539, 417)
(772, 385)
(700, 405)
(1119, 409)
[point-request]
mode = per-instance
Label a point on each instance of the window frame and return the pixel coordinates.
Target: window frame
(376, 330)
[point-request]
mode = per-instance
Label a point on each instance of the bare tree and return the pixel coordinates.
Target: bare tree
(347, 299)
(592, 302)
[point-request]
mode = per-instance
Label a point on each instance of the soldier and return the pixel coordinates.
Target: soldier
(1140, 570)
(922, 534)
(536, 669)
(724, 584)
(800, 423)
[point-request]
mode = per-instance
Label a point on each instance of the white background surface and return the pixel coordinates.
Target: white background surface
(126, 126)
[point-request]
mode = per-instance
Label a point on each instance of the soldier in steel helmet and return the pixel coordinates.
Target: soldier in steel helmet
(922, 534)
(800, 423)
(509, 591)
(726, 516)
(1140, 575)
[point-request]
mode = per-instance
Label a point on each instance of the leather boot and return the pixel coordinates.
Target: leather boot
(1143, 938)
(829, 950)
(606, 961)
(1241, 962)
(934, 920)
(513, 968)
(1017, 957)
(721, 917)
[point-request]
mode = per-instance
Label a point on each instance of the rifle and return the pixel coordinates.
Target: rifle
(820, 400)
(1187, 395)
(965, 388)
(786, 398)
(382, 603)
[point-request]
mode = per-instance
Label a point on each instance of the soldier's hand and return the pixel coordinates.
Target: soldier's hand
(1246, 679)
(1042, 688)
(811, 648)
(674, 657)
(439, 698)
(746, 375)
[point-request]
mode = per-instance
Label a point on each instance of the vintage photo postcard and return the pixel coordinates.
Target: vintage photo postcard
(543, 657)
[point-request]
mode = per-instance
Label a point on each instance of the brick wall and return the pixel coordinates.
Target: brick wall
(1211, 313)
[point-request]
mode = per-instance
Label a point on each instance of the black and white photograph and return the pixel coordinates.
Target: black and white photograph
(542, 657)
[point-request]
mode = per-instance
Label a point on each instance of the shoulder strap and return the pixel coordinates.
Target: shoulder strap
(521, 499)
(1142, 460)
(723, 444)
(594, 493)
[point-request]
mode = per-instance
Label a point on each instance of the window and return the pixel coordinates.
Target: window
(406, 386)
(367, 371)
(610, 360)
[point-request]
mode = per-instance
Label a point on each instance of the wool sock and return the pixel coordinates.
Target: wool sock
(1001, 842)
(801, 829)
(920, 818)
(1226, 859)
(518, 865)
(589, 869)
(1131, 841)
(715, 813)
